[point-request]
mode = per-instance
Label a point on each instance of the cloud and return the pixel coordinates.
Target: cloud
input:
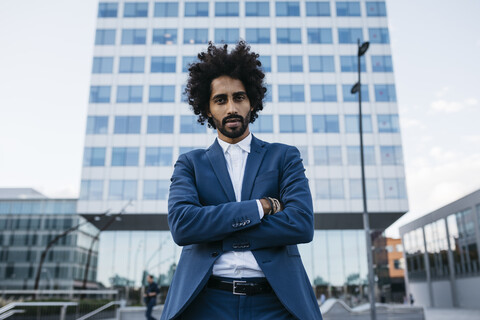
(442, 93)
(444, 106)
(406, 122)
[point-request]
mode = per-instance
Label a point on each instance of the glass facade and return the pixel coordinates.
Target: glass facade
(27, 226)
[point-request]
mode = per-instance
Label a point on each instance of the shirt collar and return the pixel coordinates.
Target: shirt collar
(244, 144)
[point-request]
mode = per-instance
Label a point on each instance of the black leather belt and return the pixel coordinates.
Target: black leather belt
(240, 287)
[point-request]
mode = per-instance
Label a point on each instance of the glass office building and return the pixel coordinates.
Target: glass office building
(28, 222)
(442, 252)
(138, 122)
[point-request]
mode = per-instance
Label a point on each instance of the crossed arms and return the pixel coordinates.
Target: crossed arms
(192, 223)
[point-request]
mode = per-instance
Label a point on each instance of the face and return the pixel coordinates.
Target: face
(230, 109)
(149, 279)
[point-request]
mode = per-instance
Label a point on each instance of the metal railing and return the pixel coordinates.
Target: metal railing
(63, 310)
(120, 303)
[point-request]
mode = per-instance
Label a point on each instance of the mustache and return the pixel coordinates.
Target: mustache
(231, 117)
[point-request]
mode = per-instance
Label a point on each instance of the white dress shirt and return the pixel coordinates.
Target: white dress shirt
(237, 264)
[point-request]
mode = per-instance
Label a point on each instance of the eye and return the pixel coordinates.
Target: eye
(240, 97)
(219, 100)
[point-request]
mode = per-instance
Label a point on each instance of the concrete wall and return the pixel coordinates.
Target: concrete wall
(442, 294)
(468, 290)
(419, 290)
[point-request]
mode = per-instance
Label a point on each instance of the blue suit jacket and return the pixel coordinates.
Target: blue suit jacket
(205, 218)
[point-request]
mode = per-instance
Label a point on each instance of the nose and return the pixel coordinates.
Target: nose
(231, 107)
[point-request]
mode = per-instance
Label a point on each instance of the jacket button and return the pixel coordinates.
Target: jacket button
(214, 254)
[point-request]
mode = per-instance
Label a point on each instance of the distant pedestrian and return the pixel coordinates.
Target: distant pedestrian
(411, 299)
(150, 297)
(322, 299)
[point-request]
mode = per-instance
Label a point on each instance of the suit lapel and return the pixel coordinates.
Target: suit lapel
(257, 151)
(217, 160)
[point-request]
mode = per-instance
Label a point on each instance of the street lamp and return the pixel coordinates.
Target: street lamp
(366, 223)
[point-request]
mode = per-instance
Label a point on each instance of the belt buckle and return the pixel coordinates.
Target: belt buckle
(235, 282)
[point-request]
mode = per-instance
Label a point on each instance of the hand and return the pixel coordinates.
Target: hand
(271, 205)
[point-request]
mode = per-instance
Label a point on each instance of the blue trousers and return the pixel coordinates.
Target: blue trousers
(150, 305)
(218, 304)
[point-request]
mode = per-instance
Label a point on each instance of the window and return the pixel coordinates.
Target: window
(349, 97)
(318, 8)
(186, 61)
(319, 35)
(123, 157)
(97, 124)
(162, 94)
(382, 64)
(91, 190)
(166, 9)
(291, 93)
(351, 124)
(353, 155)
(164, 36)
(94, 157)
(129, 94)
(325, 123)
(303, 154)
(127, 124)
(102, 65)
(107, 10)
(163, 64)
(385, 93)
(134, 36)
(257, 35)
(391, 155)
(348, 9)
(257, 9)
(195, 36)
(290, 64)
(189, 124)
(122, 190)
(183, 150)
(321, 64)
(289, 35)
(329, 189)
(158, 156)
(131, 65)
(155, 189)
(99, 94)
(378, 35)
(371, 186)
(394, 188)
(160, 124)
(323, 92)
(327, 156)
(269, 93)
(266, 63)
(196, 9)
(227, 35)
(226, 9)
(135, 9)
(349, 64)
(287, 9)
(105, 36)
(350, 35)
(292, 124)
(263, 124)
(376, 9)
(388, 123)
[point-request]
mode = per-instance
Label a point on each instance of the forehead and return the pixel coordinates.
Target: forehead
(226, 85)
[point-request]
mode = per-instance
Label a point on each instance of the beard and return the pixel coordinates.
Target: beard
(232, 133)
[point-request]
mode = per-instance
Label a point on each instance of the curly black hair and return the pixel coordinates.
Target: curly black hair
(240, 64)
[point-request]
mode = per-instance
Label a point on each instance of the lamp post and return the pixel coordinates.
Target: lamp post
(366, 223)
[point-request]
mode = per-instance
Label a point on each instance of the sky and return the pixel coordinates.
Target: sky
(45, 63)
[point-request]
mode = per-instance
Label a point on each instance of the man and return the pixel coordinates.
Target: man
(240, 207)
(150, 297)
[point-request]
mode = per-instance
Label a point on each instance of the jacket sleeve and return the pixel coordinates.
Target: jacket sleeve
(294, 224)
(192, 223)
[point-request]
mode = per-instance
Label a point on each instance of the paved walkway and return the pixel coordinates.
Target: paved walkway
(451, 314)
